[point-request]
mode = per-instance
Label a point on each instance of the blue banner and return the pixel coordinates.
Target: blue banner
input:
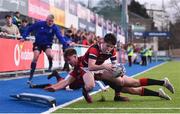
(157, 34)
(152, 34)
(139, 34)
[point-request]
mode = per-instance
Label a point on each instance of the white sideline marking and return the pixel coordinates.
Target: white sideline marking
(75, 100)
(149, 69)
(66, 104)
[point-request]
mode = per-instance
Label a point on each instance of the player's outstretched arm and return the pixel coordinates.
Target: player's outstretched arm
(60, 85)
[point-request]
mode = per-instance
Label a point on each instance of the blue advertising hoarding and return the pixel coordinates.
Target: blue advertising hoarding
(157, 34)
(152, 34)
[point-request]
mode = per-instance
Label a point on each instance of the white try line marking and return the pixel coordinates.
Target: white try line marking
(75, 100)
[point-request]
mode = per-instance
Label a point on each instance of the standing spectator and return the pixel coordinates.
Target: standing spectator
(10, 28)
(144, 53)
(23, 27)
(150, 52)
(44, 34)
(130, 52)
(67, 38)
(16, 19)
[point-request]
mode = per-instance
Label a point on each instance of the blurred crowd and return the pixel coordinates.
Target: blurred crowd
(15, 26)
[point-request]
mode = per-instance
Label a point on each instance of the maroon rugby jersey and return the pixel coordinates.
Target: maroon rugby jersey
(95, 53)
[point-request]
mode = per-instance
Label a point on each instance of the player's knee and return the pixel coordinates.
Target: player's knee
(136, 83)
(93, 85)
(89, 87)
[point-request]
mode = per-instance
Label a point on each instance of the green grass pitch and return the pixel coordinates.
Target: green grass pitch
(137, 104)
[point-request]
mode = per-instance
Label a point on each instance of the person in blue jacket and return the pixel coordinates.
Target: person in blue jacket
(44, 34)
(24, 26)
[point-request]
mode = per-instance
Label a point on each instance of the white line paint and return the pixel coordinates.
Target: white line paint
(149, 69)
(75, 100)
(66, 104)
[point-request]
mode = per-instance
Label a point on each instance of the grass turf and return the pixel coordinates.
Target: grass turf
(138, 104)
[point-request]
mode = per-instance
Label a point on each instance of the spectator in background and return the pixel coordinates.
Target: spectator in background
(91, 38)
(23, 27)
(32, 21)
(77, 37)
(84, 39)
(16, 19)
(150, 53)
(62, 31)
(137, 56)
(144, 54)
(99, 39)
(95, 40)
(67, 38)
(10, 28)
(130, 52)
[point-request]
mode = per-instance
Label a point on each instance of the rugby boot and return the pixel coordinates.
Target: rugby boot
(168, 85)
(163, 95)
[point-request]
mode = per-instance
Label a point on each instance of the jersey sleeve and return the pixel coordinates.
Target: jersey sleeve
(59, 36)
(72, 73)
(30, 29)
(93, 53)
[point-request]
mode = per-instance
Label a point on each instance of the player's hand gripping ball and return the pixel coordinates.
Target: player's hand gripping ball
(118, 70)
